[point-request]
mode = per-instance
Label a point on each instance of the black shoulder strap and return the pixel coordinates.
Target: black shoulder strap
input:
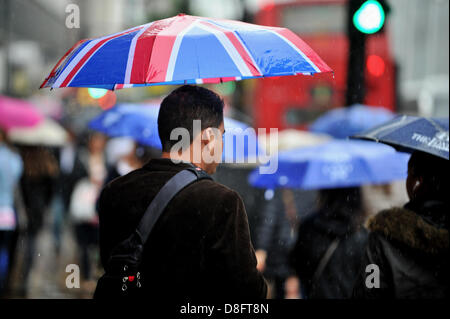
(164, 196)
(324, 260)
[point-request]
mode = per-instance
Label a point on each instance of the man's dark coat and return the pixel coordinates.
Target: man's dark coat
(200, 247)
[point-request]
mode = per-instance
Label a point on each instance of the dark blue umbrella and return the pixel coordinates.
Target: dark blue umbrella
(140, 122)
(346, 121)
(411, 133)
(335, 164)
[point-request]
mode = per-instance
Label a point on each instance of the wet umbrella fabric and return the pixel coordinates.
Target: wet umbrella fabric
(347, 121)
(411, 133)
(184, 50)
(336, 164)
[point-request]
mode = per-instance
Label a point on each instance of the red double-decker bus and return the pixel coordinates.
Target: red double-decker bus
(295, 101)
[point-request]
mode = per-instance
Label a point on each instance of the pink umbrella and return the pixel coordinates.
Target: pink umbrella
(17, 113)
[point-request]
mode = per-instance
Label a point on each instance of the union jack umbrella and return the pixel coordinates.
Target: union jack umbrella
(184, 50)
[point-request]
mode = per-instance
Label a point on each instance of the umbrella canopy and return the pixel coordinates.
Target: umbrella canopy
(46, 133)
(411, 133)
(137, 121)
(140, 122)
(344, 122)
(17, 113)
(336, 164)
(184, 50)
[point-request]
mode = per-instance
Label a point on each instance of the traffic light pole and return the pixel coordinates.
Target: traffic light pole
(356, 89)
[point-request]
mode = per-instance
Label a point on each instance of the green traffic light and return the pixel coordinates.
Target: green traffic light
(97, 93)
(369, 18)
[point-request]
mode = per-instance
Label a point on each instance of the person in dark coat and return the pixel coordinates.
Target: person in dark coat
(71, 170)
(37, 185)
(410, 245)
(200, 248)
(337, 223)
(276, 233)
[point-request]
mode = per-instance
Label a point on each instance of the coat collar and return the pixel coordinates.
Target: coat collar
(410, 228)
(166, 164)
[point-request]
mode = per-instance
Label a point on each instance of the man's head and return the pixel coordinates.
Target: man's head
(427, 177)
(190, 115)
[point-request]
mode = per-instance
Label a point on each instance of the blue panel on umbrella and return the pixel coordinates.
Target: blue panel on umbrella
(203, 59)
(108, 64)
(409, 133)
(267, 47)
(339, 163)
(344, 122)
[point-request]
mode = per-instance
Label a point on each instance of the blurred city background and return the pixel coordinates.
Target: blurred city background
(404, 68)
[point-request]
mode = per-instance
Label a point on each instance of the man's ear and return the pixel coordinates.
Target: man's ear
(208, 137)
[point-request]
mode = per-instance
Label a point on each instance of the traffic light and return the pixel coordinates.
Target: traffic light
(97, 93)
(375, 65)
(365, 18)
(369, 18)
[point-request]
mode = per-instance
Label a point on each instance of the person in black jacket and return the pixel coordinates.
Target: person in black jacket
(275, 236)
(336, 230)
(200, 247)
(407, 255)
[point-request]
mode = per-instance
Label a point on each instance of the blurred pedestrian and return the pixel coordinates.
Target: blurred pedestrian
(37, 186)
(276, 231)
(121, 157)
(83, 204)
(71, 170)
(11, 167)
(410, 245)
(200, 247)
(330, 245)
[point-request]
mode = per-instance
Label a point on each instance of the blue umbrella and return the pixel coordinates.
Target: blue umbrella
(335, 164)
(140, 122)
(131, 120)
(411, 133)
(344, 122)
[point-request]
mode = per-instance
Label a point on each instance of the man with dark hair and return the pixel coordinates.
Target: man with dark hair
(197, 104)
(200, 246)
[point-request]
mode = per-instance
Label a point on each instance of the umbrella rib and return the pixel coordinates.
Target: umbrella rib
(436, 125)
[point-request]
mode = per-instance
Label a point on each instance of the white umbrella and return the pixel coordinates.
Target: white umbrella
(46, 133)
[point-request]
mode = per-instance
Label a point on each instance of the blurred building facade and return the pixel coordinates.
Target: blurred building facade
(420, 42)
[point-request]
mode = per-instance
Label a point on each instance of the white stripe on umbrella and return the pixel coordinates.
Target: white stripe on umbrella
(81, 54)
(268, 29)
(240, 41)
(175, 50)
(131, 52)
(231, 50)
(296, 49)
